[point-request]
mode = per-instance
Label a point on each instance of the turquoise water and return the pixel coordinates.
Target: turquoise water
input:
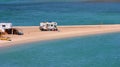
(87, 51)
(65, 13)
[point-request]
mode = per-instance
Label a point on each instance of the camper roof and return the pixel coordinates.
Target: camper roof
(49, 23)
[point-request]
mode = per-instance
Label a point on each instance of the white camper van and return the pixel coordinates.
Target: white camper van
(48, 26)
(4, 26)
(7, 28)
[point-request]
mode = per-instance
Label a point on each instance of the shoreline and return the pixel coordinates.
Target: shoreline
(33, 34)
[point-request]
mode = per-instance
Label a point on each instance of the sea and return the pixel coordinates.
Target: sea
(64, 13)
(101, 50)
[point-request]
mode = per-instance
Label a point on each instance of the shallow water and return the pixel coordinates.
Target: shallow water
(88, 51)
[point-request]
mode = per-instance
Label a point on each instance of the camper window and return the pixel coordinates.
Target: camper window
(3, 25)
(51, 25)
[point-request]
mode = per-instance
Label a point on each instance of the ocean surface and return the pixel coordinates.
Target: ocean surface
(65, 13)
(87, 51)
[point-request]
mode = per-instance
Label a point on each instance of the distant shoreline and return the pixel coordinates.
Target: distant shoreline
(33, 34)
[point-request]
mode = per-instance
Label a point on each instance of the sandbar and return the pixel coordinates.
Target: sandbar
(33, 34)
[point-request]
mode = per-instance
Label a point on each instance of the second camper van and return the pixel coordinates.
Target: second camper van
(48, 26)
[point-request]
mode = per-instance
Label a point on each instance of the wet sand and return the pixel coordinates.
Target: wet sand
(33, 34)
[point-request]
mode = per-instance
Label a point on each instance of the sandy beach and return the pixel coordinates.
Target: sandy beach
(33, 34)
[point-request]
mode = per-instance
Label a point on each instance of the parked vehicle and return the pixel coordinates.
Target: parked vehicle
(4, 26)
(48, 26)
(9, 29)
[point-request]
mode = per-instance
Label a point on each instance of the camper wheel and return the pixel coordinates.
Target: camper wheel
(56, 29)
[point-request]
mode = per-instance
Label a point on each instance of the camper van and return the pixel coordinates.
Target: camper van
(4, 26)
(7, 28)
(48, 26)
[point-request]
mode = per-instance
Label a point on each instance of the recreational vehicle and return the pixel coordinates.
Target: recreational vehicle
(48, 26)
(7, 28)
(4, 26)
